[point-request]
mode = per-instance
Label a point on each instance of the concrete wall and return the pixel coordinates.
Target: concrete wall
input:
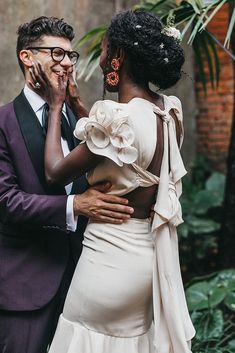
(82, 15)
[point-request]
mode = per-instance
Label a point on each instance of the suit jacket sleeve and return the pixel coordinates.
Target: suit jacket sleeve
(17, 206)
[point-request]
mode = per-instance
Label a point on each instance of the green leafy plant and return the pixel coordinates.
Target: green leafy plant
(92, 40)
(202, 202)
(211, 302)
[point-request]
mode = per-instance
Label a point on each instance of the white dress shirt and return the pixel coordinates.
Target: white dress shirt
(37, 104)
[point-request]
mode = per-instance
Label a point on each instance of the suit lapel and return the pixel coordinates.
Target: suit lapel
(34, 139)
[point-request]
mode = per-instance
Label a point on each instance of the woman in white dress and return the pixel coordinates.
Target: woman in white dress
(126, 295)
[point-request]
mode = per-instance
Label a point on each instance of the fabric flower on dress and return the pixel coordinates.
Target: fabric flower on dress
(107, 132)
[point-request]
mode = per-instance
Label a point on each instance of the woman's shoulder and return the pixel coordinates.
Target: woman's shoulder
(107, 104)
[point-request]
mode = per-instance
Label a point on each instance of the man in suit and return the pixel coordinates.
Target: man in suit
(40, 227)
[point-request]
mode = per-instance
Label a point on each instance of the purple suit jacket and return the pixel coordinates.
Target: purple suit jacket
(34, 243)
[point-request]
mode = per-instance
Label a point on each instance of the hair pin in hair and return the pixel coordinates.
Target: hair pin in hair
(161, 45)
(138, 26)
(136, 43)
(170, 30)
(166, 60)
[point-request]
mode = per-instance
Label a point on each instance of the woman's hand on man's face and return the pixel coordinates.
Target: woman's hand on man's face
(72, 88)
(51, 89)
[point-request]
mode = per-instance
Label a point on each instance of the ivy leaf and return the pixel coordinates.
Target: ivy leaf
(231, 344)
(208, 324)
(202, 295)
(230, 301)
(225, 279)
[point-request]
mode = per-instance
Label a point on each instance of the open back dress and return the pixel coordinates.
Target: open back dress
(126, 295)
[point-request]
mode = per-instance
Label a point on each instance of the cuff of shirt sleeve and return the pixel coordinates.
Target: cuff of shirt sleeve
(71, 220)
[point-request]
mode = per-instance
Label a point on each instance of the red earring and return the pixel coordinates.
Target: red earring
(115, 64)
(112, 78)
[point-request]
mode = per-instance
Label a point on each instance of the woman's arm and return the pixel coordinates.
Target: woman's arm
(60, 169)
(71, 94)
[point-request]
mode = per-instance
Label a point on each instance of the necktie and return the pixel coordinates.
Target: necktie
(66, 131)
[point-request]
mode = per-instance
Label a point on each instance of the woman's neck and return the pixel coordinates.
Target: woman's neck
(129, 89)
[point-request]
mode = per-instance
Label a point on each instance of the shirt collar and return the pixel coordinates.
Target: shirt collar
(36, 101)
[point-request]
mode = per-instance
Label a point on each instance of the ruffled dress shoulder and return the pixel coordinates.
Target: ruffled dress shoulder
(108, 132)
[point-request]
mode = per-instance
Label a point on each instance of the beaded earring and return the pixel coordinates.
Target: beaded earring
(112, 78)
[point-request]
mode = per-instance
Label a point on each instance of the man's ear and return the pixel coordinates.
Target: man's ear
(26, 58)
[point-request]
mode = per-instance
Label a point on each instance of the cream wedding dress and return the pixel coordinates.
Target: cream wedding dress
(126, 295)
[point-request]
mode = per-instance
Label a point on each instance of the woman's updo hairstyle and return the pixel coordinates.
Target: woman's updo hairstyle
(152, 56)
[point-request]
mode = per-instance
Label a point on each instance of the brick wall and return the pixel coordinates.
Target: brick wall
(215, 110)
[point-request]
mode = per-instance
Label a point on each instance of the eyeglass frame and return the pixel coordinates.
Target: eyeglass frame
(66, 52)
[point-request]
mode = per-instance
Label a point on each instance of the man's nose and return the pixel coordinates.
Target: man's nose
(66, 61)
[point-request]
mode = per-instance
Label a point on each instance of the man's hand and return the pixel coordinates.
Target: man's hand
(95, 204)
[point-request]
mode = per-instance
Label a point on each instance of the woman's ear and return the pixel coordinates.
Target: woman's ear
(26, 58)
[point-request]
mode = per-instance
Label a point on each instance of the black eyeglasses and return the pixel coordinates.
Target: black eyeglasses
(58, 54)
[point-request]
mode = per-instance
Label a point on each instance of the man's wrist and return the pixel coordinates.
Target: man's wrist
(77, 205)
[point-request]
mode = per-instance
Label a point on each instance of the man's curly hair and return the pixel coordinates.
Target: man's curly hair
(152, 56)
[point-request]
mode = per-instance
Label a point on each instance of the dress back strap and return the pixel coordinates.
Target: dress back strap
(173, 327)
(155, 165)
